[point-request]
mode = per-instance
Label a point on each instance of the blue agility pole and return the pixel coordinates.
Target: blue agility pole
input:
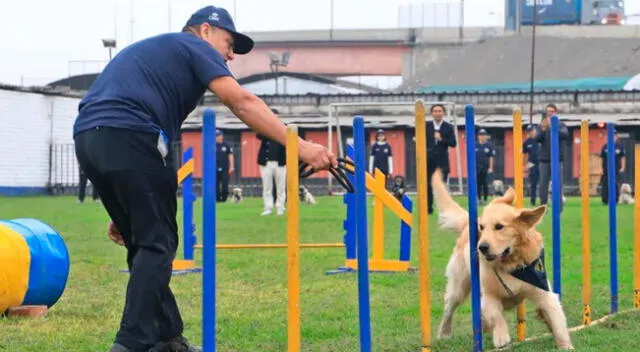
(473, 226)
(612, 198)
(187, 209)
(209, 231)
(361, 234)
(556, 199)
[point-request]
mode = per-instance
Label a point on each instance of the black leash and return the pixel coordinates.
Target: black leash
(338, 173)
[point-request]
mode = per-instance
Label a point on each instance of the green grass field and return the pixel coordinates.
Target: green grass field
(252, 286)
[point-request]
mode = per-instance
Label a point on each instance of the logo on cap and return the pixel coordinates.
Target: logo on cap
(214, 17)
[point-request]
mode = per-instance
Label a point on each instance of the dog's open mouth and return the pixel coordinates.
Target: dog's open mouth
(502, 257)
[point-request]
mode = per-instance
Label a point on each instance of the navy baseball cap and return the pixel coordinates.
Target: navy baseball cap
(482, 132)
(220, 18)
(380, 131)
(218, 133)
(531, 127)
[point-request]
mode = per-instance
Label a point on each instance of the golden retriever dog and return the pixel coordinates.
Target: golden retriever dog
(511, 262)
(626, 196)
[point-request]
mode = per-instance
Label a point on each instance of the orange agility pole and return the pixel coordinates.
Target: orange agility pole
(636, 232)
(423, 225)
(293, 240)
(586, 226)
(518, 177)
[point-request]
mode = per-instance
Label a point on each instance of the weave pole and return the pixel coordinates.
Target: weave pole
(209, 231)
(361, 234)
(470, 128)
(293, 239)
(423, 225)
(613, 193)
(518, 179)
(586, 223)
(187, 216)
(636, 232)
(556, 200)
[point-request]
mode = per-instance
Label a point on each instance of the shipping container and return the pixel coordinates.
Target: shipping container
(564, 12)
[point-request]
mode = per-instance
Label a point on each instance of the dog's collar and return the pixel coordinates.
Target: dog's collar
(534, 273)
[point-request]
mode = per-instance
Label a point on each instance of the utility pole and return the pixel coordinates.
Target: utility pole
(533, 58)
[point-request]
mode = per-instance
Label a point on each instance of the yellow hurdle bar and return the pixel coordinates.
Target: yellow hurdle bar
(423, 225)
(273, 245)
(378, 219)
(185, 170)
(293, 239)
(636, 232)
(518, 179)
(586, 226)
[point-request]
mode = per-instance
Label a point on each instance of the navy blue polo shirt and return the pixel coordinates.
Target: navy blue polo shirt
(531, 147)
(381, 154)
(484, 151)
(620, 152)
(152, 85)
(222, 155)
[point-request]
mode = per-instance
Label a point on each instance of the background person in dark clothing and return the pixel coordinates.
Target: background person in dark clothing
(440, 137)
(544, 155)
(381, 156)
(126, 122)
(272, 158)
(485, 156)
(530, 149)
(224, 158)
(82, 188)
(621, 162)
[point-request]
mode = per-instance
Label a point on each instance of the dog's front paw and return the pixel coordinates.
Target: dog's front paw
(444, 332)
(501, 340)
(567, 346)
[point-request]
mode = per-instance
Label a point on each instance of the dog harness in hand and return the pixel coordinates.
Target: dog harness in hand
(534, 273)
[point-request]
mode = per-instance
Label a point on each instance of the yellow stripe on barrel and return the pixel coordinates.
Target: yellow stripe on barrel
(15, 260)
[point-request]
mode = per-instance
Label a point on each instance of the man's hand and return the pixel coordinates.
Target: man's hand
(318, 157)
(437, 136)
(230, 170)
(114, 234)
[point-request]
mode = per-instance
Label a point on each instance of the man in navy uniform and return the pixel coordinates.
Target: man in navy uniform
(530, 150)
(485, 155)
(272, 159)
(126, 122)
(544, 156)
(224, 158)
(381, 157)
(440, 137)
(621, 162)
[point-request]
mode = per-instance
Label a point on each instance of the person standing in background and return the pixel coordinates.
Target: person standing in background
(440, 137)
(530, 150)
(381, 157)
(485, 155)
(544, 157)
(272, 158)
(82, 188)
(620, 165)
(224, 158)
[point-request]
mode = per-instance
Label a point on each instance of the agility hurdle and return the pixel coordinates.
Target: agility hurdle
(185, 177)
(376, 185)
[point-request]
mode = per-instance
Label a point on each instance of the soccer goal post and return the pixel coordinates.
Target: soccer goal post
(372, 121)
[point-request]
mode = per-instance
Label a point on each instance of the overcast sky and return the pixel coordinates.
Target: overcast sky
(44, 40)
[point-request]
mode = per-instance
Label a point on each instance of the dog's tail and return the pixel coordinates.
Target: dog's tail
(451, 215)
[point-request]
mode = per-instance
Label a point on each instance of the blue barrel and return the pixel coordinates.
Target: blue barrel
(34, 264)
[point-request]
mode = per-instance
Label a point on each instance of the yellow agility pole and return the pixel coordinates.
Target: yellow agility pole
(185, 170)
(586, 226)
(518, 179)
(636, 232)
(293, 239)
(378, 219)
(273, 245)
(423, 225)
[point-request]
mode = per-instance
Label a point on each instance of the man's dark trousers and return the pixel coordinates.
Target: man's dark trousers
(534, 175)
(604, 187)
(430, 171)
(222, 180)
(138, 190)
(545, 182)
(483, 183)
(82, 188)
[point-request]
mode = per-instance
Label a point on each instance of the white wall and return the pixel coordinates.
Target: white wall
(30, 123)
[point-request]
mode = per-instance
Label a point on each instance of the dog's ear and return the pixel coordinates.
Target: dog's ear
(531, 217)
(508, 197)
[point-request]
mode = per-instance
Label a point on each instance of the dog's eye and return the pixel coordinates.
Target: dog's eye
(499, 226)
(480, 227)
